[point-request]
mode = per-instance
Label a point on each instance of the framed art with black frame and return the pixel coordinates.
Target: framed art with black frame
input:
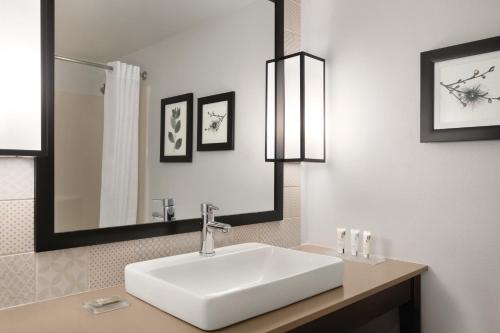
(216, 122)
(460, 92)
(176, 137)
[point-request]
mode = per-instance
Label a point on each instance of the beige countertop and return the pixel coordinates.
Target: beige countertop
(65, 315)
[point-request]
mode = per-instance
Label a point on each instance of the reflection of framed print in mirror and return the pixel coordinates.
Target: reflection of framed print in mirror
(216, 122)
(176, 138)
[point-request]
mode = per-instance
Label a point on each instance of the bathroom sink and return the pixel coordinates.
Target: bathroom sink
(239, 282)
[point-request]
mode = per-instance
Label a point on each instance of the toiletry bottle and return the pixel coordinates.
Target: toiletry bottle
(170, 210)
(341, 232)
(355, 233)
(367, 239)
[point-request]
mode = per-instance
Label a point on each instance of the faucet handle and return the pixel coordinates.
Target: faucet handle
(162, 201)
(208, 207)
(166, 202)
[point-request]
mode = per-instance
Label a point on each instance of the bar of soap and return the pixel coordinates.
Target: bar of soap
(101, 305)
(105, 301)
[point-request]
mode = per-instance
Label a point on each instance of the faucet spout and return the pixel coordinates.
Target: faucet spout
(223, 227)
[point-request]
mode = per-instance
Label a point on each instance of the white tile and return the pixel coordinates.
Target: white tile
(17, 279)
(246, 233)
(292, 43)
(16, 178)
(107, 263)
(16, 226)
(292, 17)
(185, 243)
(152, 248)
(290, 232)
(270, 233)
(291, 174)
(63, 272)
(284, 233)
(291, 202)
(224, 239)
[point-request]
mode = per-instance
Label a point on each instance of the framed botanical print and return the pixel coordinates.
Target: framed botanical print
(216, 122)
(460, 92)
(176, 138)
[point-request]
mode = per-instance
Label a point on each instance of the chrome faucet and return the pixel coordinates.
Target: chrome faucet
(168, 210)
(209, 227)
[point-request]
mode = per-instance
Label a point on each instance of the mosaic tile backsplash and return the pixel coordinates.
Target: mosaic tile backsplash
(27, 277)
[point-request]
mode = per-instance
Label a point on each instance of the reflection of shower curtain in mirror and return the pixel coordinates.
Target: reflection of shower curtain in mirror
(119, 180)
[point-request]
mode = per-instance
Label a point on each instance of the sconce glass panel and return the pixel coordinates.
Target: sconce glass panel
(20, 105)
(295, 109)
(292, 108)
(270, 110)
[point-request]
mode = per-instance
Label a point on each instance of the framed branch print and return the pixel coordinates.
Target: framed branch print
(216, 122)
(176, 138)
(460, 92)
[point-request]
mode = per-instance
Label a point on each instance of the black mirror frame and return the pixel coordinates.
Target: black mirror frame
(45, 237)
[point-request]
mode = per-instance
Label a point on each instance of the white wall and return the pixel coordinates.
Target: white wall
(78, 120)
(436, 203)
(78, 79)
(221, 55)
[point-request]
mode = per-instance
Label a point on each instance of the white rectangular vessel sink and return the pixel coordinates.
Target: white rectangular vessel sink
(239, 282)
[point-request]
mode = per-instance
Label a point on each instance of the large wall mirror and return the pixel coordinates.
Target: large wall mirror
(158, 106)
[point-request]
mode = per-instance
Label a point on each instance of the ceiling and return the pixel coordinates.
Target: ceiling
(104, 30)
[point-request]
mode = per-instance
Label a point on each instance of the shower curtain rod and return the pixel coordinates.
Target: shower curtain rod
(144, 75)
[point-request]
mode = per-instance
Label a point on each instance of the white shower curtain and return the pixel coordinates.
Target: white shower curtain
(119, 180)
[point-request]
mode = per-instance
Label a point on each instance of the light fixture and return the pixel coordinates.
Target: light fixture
(22, 102)
(295, 109)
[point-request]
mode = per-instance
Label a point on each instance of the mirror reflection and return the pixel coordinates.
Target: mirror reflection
(160, 105)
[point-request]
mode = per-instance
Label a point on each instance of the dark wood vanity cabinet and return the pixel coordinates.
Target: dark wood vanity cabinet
(405, 297)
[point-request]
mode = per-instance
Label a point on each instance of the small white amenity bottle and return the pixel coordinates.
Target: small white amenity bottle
(355, 233)
(341, 233)
(367, 239)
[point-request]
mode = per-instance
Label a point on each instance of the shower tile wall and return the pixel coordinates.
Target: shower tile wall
(28, 277)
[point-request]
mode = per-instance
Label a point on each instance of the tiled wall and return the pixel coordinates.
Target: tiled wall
(27, 277)
(17, 260)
